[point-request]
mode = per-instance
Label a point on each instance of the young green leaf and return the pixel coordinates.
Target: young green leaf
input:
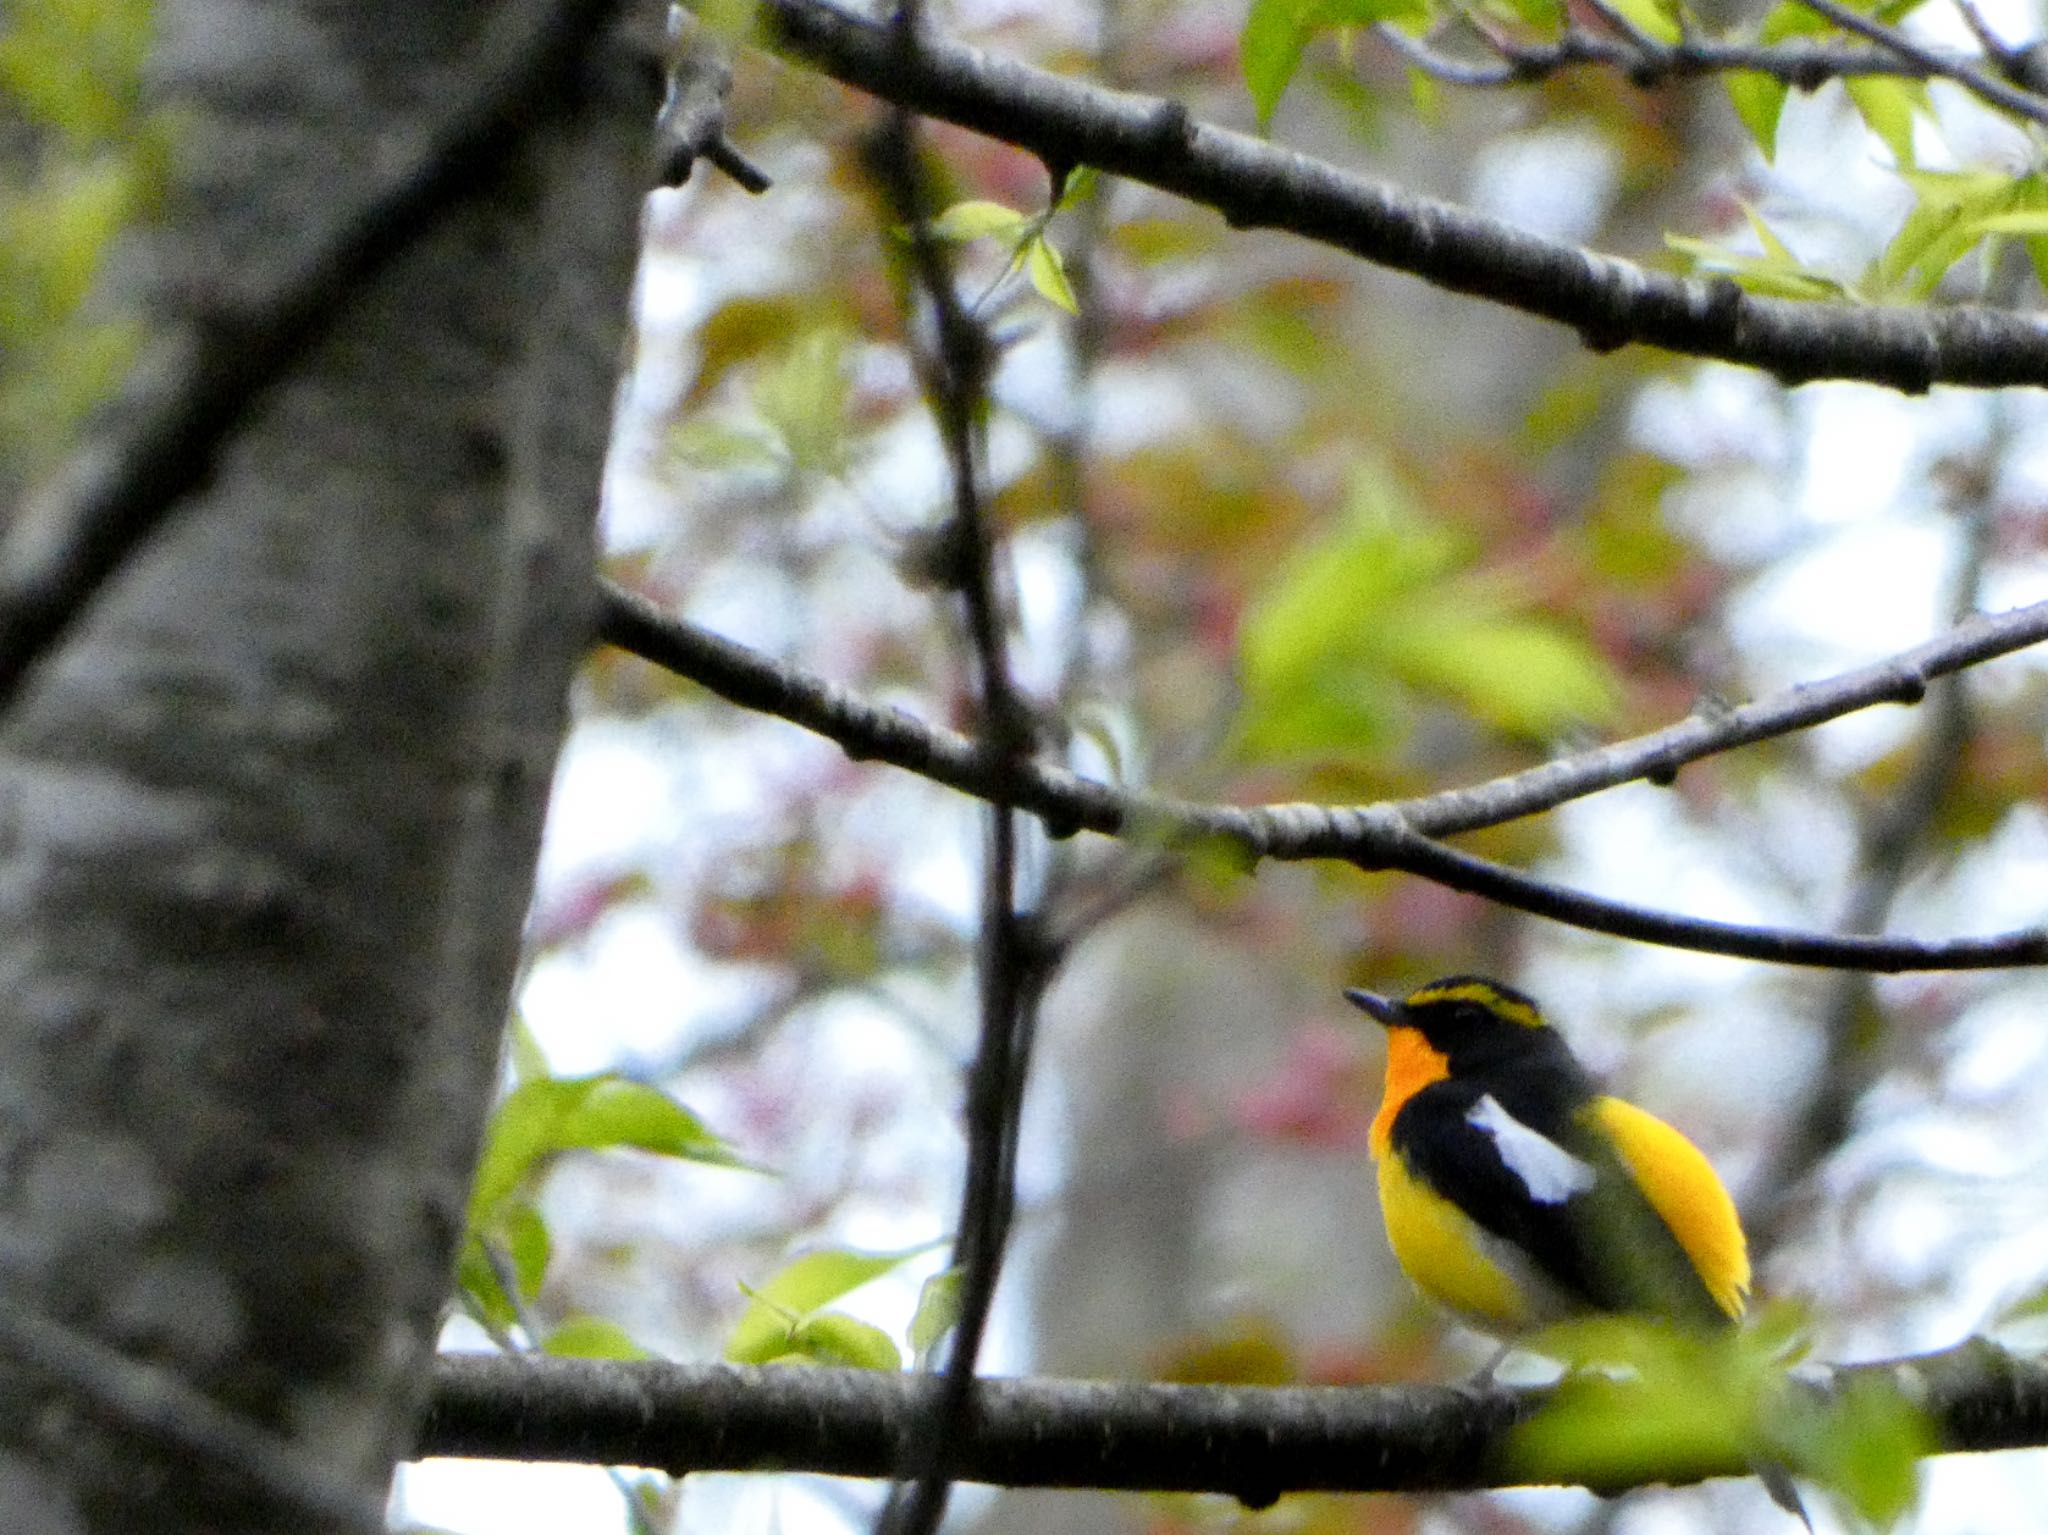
(1654, 18)
(542, 1118)
(590, 1337)
(833, 1337)
(938, 1310)
(1080, 186)
(1269, 50)
(1387, 613)
(979, 220)
(797, 1290)
(804, 399)
(1048, 274)
(1888, 108)
(1868, 1447)
(1759, 101)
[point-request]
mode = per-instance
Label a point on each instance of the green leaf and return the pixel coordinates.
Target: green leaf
(1080, 186)
(979, 220)
(526, 1057)
(1759, 101)
(1888, 108)
(1685, 1402)
(542, 1118)
(1275, 34)
(482, 1297)
(527, 1243)
(804, 398)
(1386, 613)
(798, 1289)
(1690, 1405)
(1425, 96)
(2029, 1307)
(2022, 221)
(1947, 222)
(1791, 18)
(718, 446)
(833, 1337)
(591, 1337)
(1048, 274)
(1868, 1447)
(1779, 276)
(1524, 676)
(938, 1311)
(1653, 18)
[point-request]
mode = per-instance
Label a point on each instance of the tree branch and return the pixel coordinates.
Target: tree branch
(1803, 64)
(1393, 834)
(1609, 301)
(71, 537)
(1253, 1443)
(1980, 83)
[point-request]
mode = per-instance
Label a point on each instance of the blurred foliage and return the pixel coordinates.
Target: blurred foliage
(787, 1317)
(537, 1122)
(1644, 1403)
(81, 159)
(1388, 611)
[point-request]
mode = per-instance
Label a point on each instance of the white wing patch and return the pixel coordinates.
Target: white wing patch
(1549, 1172)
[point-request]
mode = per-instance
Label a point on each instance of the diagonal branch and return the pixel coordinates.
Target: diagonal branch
(1253, 1443)
(1803, 63)
(69, 539)
(1609, 301)
(1392, 835)
(1979, 82)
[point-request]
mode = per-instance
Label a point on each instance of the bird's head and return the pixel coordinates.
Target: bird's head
(1462, 1017)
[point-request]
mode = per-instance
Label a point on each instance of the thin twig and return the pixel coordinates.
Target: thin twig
(1804, 64)
(1986, 87)
(1390, 835)
(79, 530)
(956, 377)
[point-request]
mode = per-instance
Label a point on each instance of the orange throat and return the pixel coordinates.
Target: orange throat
(1412, 1064)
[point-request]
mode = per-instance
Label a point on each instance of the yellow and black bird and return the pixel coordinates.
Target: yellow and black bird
(1518, 1193)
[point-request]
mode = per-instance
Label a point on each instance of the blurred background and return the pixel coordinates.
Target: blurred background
(1277, 525)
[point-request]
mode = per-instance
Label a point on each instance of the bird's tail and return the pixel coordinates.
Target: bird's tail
(1784, 1492)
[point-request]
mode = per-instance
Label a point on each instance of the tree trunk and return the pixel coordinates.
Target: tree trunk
(270, 810)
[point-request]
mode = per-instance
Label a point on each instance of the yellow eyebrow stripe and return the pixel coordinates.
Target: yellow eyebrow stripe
(1486, 996)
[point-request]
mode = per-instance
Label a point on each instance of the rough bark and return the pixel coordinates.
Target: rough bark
(270, 808)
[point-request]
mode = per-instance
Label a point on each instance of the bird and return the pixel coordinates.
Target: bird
(1518, 1193)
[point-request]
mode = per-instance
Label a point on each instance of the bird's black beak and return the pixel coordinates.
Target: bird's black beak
(1383, 1009)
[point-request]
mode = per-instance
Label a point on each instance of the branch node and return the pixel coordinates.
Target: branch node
(1170, 128)
(1257, 1496)
(1910, 688)
(1724, 303)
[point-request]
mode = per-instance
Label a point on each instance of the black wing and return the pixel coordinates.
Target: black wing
(1574, 1208)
